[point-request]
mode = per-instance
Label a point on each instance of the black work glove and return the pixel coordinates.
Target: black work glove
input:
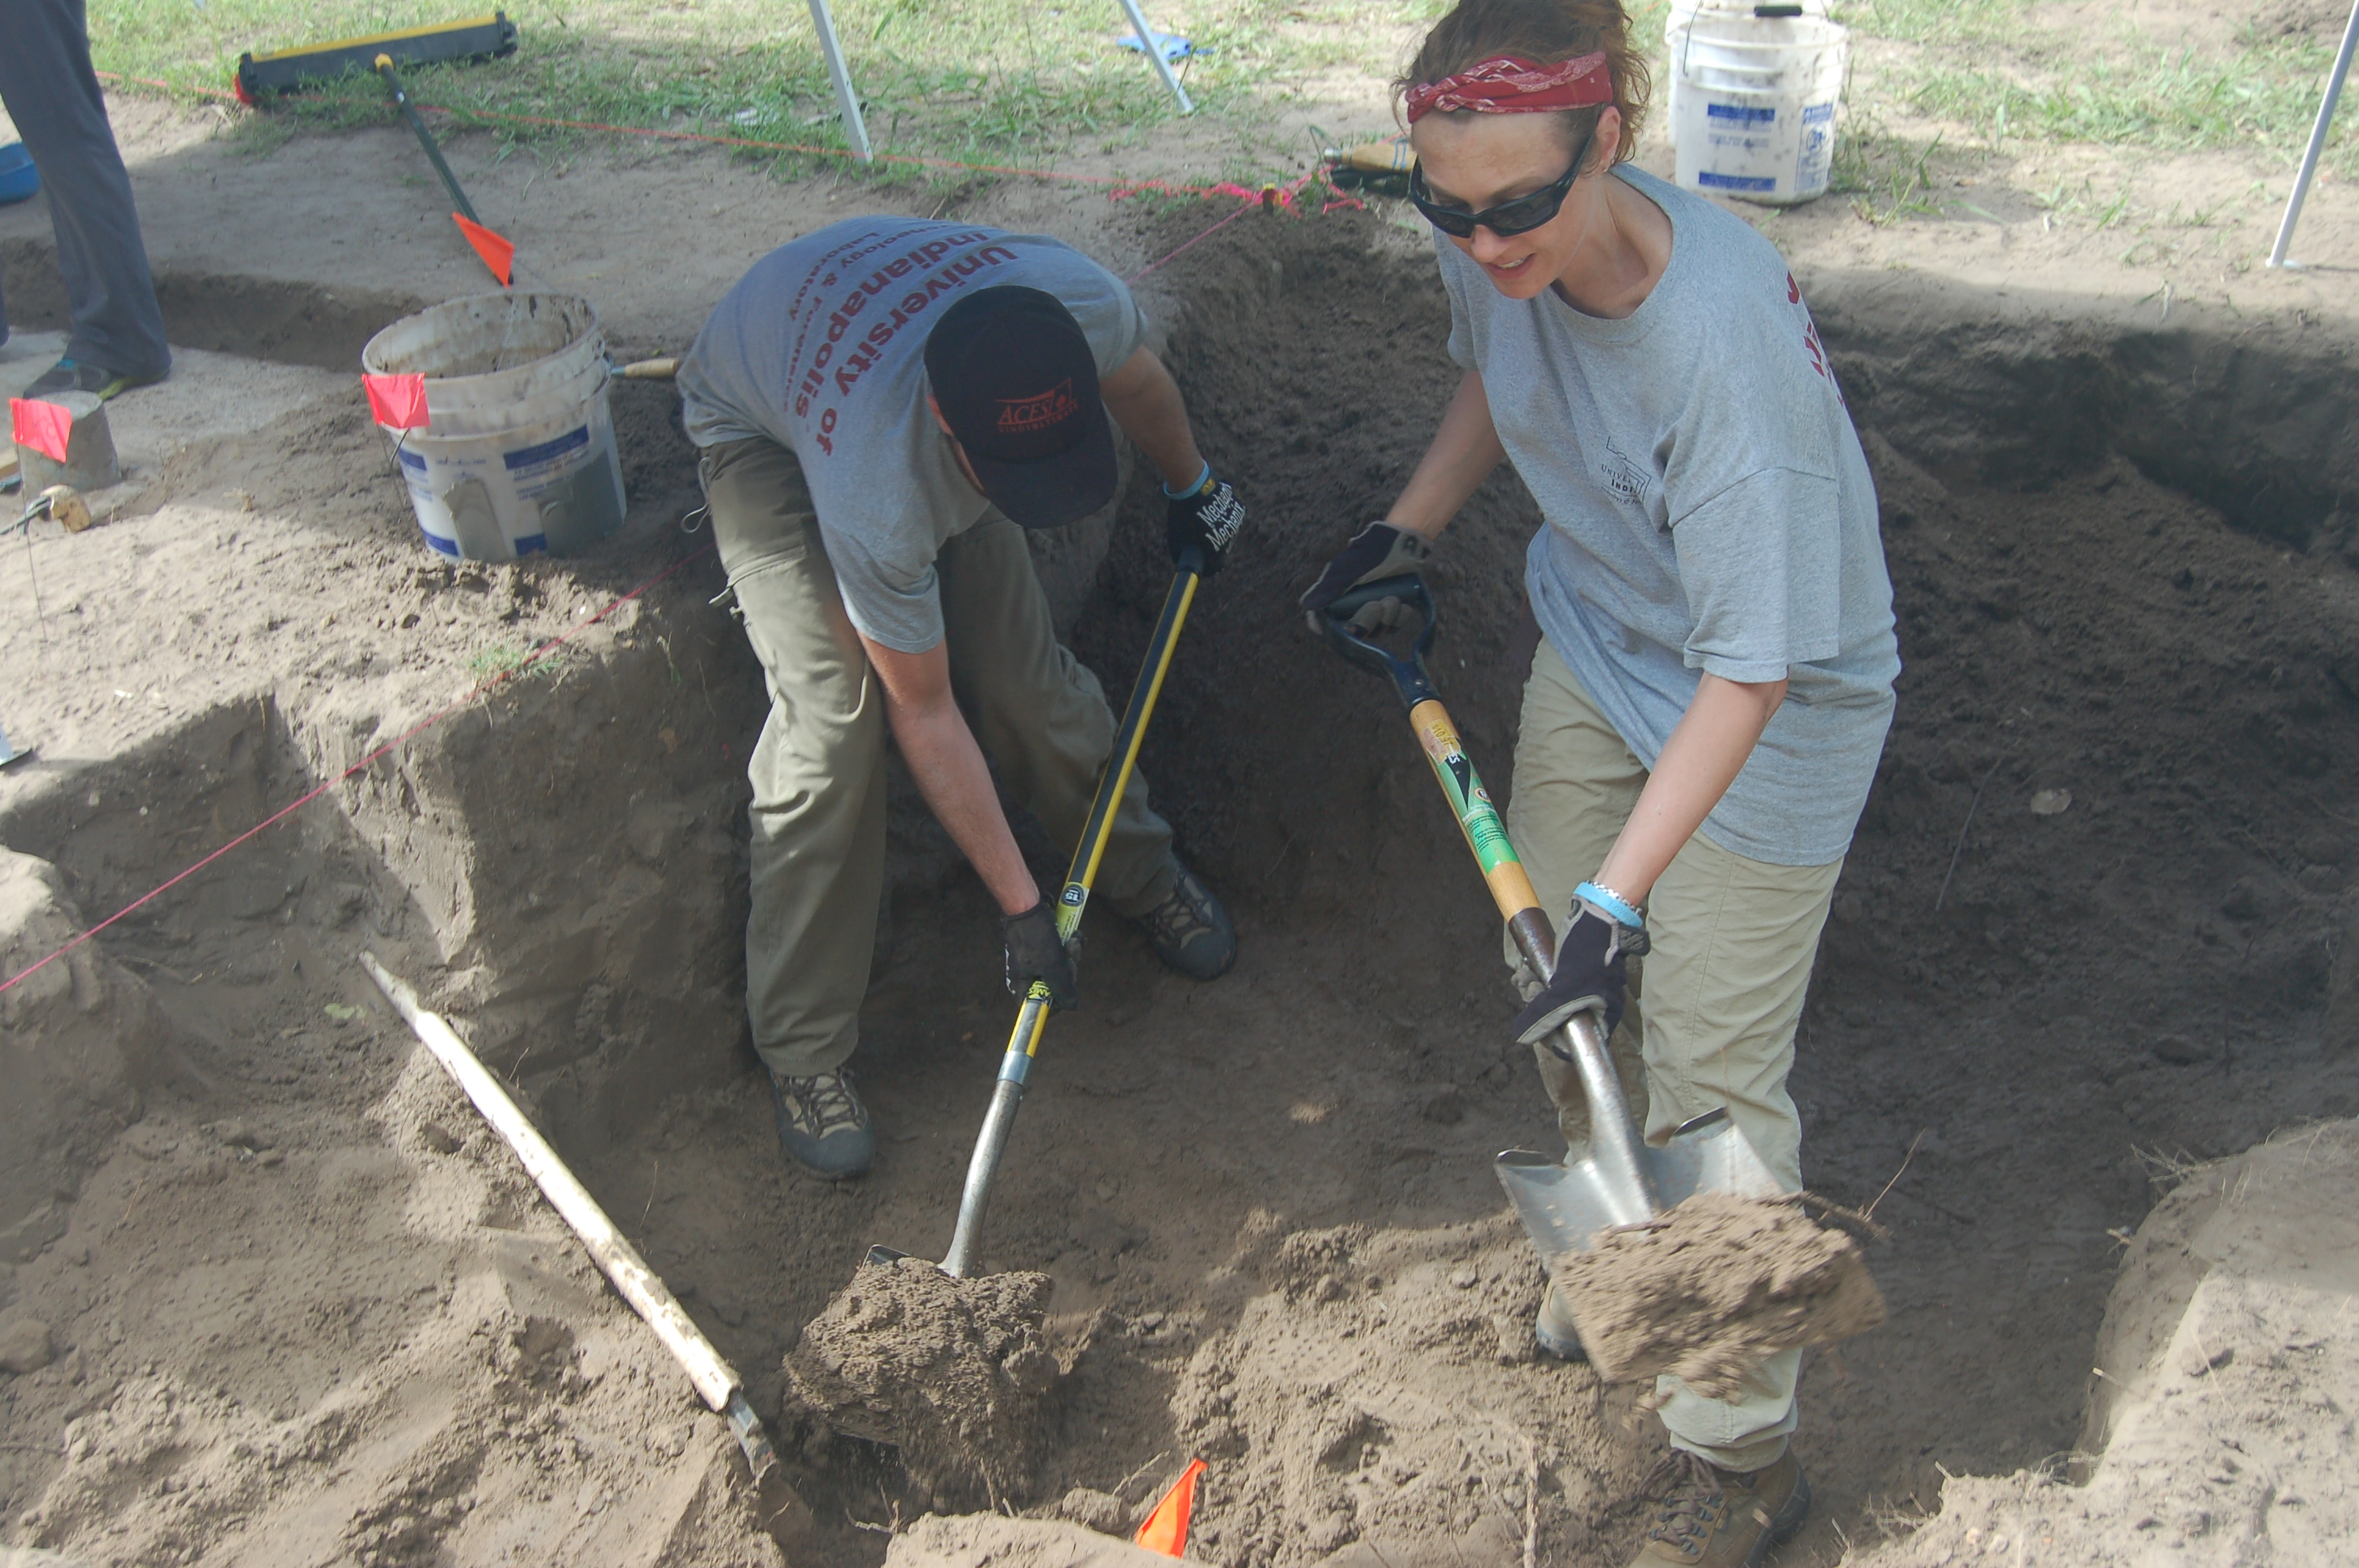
(1035, 952)
(1591, 974)
(1376, 552)
(1206, 519)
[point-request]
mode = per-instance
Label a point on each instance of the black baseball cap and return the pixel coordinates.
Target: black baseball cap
(1017, 385)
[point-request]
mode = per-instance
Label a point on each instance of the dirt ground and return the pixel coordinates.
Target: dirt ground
(295, 1305)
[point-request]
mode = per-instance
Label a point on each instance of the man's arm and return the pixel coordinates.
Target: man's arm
(949, 770)
(1146, 402)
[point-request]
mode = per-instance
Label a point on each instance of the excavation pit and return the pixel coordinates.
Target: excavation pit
(1263, 1207)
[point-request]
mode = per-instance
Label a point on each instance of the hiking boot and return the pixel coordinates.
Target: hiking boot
(822, 1125)
(1189, 929)
(1711, 1518)
(70, 376)
(1554, 1328)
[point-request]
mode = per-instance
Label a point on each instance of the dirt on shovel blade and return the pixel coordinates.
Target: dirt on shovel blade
(955, 1373)
(1713, 1288)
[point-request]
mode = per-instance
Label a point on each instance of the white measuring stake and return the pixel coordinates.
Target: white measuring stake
(1154, 52)
(620, 1261)
(846, 99)
(2277, 257)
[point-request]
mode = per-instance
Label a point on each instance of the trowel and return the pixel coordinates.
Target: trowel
(1615, 1177)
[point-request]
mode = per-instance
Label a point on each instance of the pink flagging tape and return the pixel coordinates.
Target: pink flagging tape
(44, 427)
(293, 806)
(397, 402)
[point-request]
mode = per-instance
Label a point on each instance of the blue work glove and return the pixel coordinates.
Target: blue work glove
(1591, 974)
(1376, 553)
(1204, 518)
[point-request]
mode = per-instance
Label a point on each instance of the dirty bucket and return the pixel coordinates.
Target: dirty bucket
(1682, 12)
(1756, 116)
(519, 453)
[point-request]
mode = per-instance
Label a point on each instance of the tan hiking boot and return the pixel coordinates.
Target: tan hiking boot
(1711, 1518)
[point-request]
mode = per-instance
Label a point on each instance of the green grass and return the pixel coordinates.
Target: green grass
(2001, 74)
(989, 80)
(1015, 82)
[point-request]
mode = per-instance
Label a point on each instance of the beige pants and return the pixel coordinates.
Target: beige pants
(818, 814)
(1713, 1006)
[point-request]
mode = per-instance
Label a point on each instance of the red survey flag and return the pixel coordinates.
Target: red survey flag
(497, 252)
(1166, 1529)
(44, 427)
(397, 401)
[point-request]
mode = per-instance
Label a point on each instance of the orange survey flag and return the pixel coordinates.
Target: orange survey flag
(44, 427)
(498, 253)
(1166, 1529)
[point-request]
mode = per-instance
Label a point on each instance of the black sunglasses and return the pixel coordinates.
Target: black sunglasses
(1519, 216)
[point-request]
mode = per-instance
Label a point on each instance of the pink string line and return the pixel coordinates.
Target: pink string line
(480, 687)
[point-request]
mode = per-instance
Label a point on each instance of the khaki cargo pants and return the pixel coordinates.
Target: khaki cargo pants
(1713, 1006)
(818, 770)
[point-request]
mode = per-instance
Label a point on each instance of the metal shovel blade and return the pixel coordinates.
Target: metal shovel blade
(1565, 1204)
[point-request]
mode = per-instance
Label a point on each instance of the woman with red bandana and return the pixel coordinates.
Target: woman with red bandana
(1711, 692)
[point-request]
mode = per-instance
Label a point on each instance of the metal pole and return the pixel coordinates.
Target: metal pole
(2317, 141)
(1154, 52)
(846, 99)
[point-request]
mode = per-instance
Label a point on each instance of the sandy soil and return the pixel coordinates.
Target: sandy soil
(1263, 1203)
(2230, 1367)
(1711, 1289)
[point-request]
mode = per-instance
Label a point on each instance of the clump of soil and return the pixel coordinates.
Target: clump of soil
(954, 1373)
(1713, 1288)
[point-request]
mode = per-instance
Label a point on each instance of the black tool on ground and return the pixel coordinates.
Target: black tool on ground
(262, 77)
(425, 139)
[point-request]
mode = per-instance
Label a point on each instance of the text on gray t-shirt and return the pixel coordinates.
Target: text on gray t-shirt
(821, 347)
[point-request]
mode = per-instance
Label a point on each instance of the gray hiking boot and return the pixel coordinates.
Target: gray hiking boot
(1554, 1328)
(822, 1125)
(1189, 930)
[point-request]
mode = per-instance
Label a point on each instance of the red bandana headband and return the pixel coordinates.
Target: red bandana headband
(1510, 84)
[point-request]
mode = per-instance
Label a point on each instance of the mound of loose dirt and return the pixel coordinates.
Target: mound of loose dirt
(1713, 1288)
(952, 1372)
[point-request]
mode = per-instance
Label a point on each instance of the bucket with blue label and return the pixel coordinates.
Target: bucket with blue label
(512, 450)
(1755, 109)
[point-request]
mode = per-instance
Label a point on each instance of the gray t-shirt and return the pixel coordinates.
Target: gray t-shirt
(821, 347)
(1708, 508)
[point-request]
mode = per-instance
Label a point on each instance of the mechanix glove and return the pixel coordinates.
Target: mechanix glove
(1205, 518)
(1035, 952)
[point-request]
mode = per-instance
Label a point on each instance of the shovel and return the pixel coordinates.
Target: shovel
(1616, 1178)
(1032, 1019)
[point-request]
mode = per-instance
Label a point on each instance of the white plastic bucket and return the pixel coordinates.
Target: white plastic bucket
(518, 451)
(1682, 12)
(1755, 114)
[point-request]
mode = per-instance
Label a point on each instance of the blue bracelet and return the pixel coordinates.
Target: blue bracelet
(1612, 904)
(1193, 485)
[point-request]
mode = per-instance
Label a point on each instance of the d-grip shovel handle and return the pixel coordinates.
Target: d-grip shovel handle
(1407, 675)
